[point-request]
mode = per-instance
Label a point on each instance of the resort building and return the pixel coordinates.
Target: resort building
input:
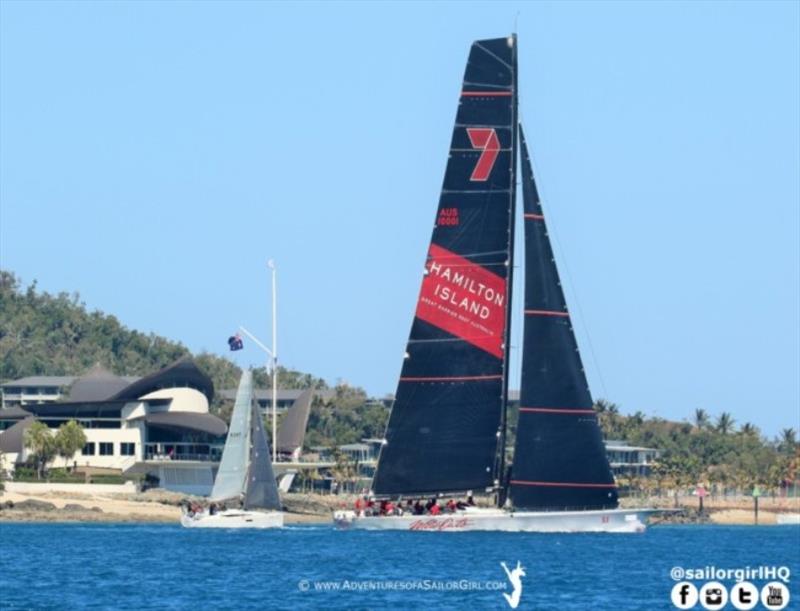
(627, 460)
(148, 425)
(286, 398)
(158, 426)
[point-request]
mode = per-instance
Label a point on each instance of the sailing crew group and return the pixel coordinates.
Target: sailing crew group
(366, 507)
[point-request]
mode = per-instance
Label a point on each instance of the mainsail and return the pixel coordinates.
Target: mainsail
(559, 458)
(446, 427)
(232, 472)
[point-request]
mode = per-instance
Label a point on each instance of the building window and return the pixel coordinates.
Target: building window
(127, 449)
(106, 448)
(88, 449)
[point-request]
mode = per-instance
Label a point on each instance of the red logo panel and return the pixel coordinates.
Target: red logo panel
(484, 138)
(464, 299)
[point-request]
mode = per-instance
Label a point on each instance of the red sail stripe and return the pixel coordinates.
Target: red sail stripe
(553, 410)
(537, 217)
(452, 378)
(491, 94)
(546, 313)
(561, 484)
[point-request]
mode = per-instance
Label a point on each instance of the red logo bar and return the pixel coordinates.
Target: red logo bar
(452, 379)
(486, 94)
(554, 410)
(521, 482)
(545, 313)
(464, 299)
(485, 139)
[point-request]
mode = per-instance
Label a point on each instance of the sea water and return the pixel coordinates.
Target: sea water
(126, 566)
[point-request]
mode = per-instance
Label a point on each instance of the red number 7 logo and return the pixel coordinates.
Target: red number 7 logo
(485, 139)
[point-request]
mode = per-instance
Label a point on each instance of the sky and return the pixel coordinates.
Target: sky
(154, 156)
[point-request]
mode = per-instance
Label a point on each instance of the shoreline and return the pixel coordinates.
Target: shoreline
(152, 507)
(162, 507)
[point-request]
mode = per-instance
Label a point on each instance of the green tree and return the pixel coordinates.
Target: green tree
(701, 420)
(749, 429)
(725, 423)
(69, 439)
(40, 442)
(344, 470)
(788, 440)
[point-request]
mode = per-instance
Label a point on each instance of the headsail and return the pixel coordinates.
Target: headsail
(559, 459)
(230, 480)
(261, 491)
(445, 426)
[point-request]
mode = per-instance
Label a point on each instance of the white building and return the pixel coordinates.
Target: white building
(159, 424)
(630, 460)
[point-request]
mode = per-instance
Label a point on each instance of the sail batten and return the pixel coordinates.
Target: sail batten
(559, 457)
(442, 435)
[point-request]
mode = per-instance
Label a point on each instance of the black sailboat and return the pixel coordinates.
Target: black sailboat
(446, 431)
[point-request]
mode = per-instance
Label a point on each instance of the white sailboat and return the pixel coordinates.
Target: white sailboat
(446, 434)
(245, 477)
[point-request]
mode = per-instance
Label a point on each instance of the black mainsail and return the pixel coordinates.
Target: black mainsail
(559, 459)
(446, 428)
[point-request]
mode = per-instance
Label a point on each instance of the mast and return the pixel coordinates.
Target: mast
(445, 428)
(500, 469)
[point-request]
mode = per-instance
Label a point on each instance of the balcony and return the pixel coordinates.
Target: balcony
(180, 451)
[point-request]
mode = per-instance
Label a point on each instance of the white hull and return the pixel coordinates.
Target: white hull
(234, 518)
(605, 520)
(788, 518)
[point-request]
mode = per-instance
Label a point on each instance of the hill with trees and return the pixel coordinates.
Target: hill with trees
(43, 334)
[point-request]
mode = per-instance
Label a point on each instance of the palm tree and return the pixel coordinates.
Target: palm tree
(41, 443)
(701, 420)
(607, 414)
(725, 423)
(600, 406)
(69, 439)
(788, 440)
(749, 429)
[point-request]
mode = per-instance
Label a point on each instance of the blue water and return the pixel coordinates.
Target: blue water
(123, 566)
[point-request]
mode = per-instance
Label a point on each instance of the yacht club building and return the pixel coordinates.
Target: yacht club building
(159, 424)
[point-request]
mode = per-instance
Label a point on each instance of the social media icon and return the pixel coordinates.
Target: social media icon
(684, 595)
(744, 595)
(775, 595)
(713, 595)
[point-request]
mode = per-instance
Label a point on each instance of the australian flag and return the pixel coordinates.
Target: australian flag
(235, 342)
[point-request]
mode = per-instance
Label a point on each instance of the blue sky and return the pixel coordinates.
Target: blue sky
(154, 156)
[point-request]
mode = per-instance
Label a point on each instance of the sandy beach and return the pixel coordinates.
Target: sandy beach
(153, 506)
(161, 506)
